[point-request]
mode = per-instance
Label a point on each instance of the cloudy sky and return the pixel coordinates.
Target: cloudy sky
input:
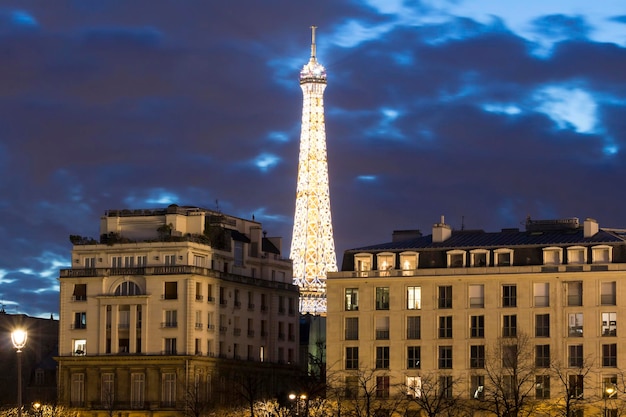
(483, 111)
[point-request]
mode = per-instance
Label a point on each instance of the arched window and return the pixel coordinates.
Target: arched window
(128, 288)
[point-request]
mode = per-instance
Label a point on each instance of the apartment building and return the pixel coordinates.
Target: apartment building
(448, 309)
(173, 311)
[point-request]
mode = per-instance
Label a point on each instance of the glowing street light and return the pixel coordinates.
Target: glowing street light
(18, 337)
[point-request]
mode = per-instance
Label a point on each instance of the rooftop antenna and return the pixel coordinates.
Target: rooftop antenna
(462, 223)
(313, 48)
(217, 205)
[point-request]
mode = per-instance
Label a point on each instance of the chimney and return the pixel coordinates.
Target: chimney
(441, 231)
(590, 227)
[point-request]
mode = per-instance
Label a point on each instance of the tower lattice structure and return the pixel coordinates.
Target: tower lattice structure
(312, 244)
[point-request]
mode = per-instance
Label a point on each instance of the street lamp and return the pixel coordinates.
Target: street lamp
(297, 399)
(18, 337)
(608, 393)
(37, 406)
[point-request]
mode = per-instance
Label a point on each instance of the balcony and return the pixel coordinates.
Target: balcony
(169, 324)
(211, 327)
(199, 326)
(250, 306)
(250, 333)
(199, 297)
(236, 332)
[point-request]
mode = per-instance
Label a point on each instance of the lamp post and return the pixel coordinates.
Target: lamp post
(18, 337)
(608, 393)
(297, 399)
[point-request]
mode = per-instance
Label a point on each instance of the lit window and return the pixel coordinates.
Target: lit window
(609, 324)
(351, 299)
(385, 261)
(414, 386)
(363, 263)
(408, 262)
(414, 298)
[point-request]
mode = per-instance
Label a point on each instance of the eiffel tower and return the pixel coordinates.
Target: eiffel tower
(312, 244)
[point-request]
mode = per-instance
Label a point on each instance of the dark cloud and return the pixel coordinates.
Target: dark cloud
(135, 104)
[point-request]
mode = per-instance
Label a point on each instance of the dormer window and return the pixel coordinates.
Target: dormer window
(363, 263)
(479, 257)
(602, 254)
(456, 258)
(552, 256)
(386, 261)
(503, 257)
(408, 262)
(576, 255)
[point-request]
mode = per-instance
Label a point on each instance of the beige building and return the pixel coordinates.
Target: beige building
(443, 315)
(179, 309)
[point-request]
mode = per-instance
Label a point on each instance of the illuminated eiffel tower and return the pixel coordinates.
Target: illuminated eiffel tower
(312, 244)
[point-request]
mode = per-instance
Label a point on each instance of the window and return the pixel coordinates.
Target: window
(107, 390)
(408, 262)
(542, 387)
(170, 259)
(477, 326)
(575, 324)
(137, 390)
(223, 296)
(445, 386)
(171, 290)
(116, 262)
(127, 288)
(352, 357)
(352, 299)
(414, 298)
(541, 292)
(542, 325)
(477, 356)
(80, 320)
(170, 346)
(238, 252)
(142, 260)
(576, 386)
(382, 328)
(509, 356)
(477, 296)
(607, 294)
(352, 328)
(80, 292)
(168, 394)
(456, 258)
(382, 357)
(609, 386)
(601, 254)
(575, 356)
(576, 255)
(382, 298)
(40, 376)
(80, 347)
(574, 291)
(445, 296)
(77, 394)
(509, 326)
(552, 256)
(479, 257)
(385, 261)
(413, 355)
(413, 327)
(445, 327)
(477, 387)
(609, 355)
(90, 263)
(363, 263)
(414, 386)
(382, 386)
(609, 324)
(445, 357)
(352, 386)
(170, 318)
(542, 356)
(509, 296)
(503, 257)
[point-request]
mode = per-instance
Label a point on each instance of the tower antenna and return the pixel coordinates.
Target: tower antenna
(313, 47)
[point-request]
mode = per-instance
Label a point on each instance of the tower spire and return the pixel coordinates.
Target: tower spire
(312, 244)
(313, 48)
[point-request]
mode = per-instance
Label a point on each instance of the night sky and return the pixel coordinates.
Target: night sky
(483, 111)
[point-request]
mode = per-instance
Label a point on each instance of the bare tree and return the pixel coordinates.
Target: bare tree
(368, 393)
(196, 397)
(435, 395)
(571, 379)
(511, 371)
